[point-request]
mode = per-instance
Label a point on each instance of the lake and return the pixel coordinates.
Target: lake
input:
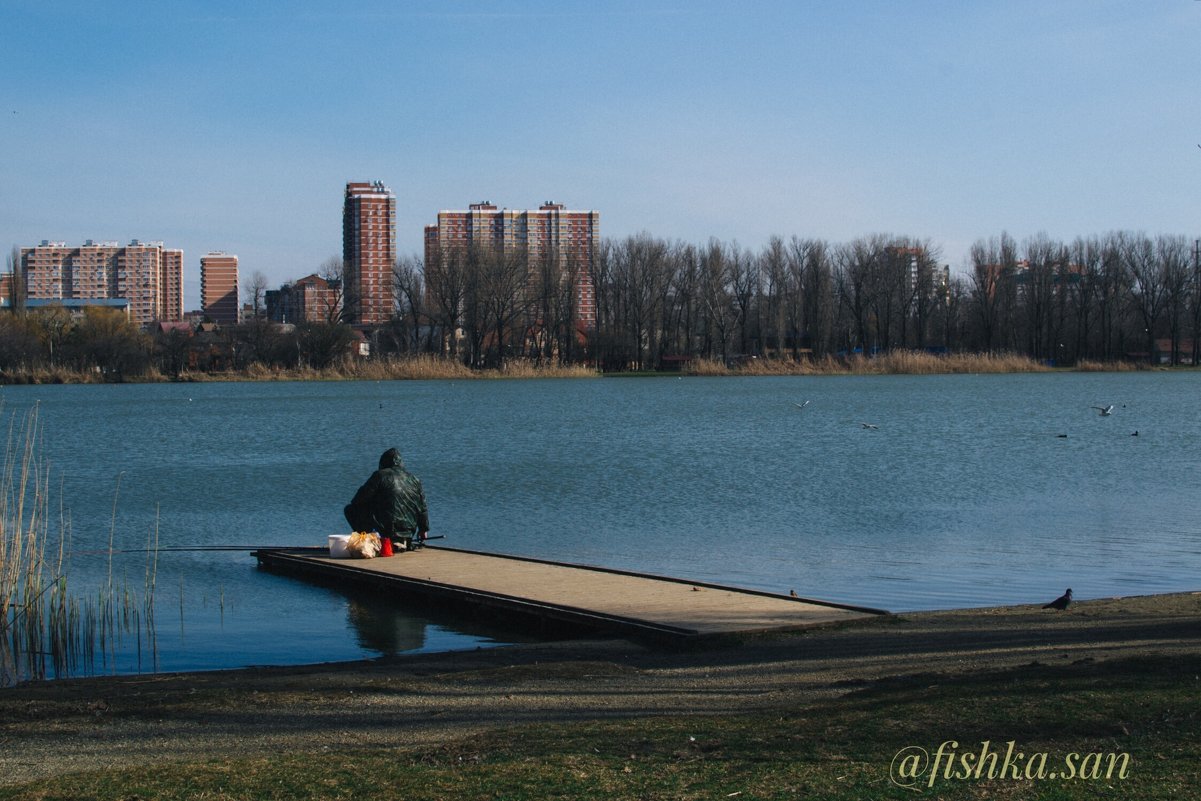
(974, 490)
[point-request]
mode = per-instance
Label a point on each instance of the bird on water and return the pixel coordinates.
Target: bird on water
(1062, 602)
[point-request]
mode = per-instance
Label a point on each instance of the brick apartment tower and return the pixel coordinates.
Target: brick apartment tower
(219, 287)
(551, 228)
(146, 274)
(170, 285)
(368, 252)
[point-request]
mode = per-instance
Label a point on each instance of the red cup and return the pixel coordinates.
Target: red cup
(385, 548)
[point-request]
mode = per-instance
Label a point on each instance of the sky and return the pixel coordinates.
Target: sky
(235, 126)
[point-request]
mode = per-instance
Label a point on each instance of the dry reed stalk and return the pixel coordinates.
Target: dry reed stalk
(898, 362)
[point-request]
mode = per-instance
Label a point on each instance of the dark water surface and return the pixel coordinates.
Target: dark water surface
(965, 495)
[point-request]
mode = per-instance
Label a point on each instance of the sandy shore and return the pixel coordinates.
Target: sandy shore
(422, 701)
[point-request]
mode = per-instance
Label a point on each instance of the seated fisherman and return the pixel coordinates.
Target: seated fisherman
(390, 502)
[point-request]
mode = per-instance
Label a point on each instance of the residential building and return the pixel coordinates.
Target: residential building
(171, 285)
(311, 299)
(145, 274)
(551, 230)
(368, 252)
(219, 287)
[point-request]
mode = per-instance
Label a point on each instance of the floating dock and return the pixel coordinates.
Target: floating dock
(577, 596)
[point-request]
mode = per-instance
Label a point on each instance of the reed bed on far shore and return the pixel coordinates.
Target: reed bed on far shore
(418, 367)
(430, 367)
(897, 362)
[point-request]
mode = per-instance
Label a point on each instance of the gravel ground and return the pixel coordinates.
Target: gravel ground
(53, 728)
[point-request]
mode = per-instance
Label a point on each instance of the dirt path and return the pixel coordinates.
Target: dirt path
(53, 728)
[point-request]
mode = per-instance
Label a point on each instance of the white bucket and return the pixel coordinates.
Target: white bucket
(337, 546)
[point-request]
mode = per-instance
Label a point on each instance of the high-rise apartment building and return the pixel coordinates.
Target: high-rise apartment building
(219, 287)
(171, 285)
(568, 236)
(146, 274)
(368, 252)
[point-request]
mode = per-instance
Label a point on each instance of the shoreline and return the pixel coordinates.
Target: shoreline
(426, 701)
(433, 368)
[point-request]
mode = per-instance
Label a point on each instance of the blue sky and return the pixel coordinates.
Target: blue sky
(235, 125)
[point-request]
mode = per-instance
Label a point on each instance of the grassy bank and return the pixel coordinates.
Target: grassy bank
(1145, 708)
(426, 367)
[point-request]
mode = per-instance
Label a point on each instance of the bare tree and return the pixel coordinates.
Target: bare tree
(1082, 281)
(333, 272)
(859, 278)
(255, 287)
(448, 279)
(1045, 262)
(641, 272)
(505, 282)
(408, 279)
(927, 288)
(681, 305)
(773, 269)
(53, 326)
(19, 294)
(719, 313)
(744, 288)
(1173, 255)
(993, 265)
(812, 282)
(551, 310)
(601, 275)
(1195, 302)
(1148, 288)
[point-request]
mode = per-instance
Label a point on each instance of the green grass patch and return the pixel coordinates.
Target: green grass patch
(839, 748)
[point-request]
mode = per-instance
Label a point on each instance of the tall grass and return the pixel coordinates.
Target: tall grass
(396, 368)
(897, 362)
(46, 630)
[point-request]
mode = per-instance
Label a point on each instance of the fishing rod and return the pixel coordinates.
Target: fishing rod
(203, 548)
(187, 548)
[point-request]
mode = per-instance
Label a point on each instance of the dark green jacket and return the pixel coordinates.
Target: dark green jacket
(391, 501)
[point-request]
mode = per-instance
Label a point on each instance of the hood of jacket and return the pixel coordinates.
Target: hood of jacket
(390, 459)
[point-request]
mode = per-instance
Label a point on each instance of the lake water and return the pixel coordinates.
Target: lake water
(965, 495)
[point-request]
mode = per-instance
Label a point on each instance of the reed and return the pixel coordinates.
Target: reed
(45, 629)
(898, 362)
(424, 367)
(25, 580)
(1090, 366)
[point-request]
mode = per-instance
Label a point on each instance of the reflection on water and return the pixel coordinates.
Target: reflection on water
(384, 629)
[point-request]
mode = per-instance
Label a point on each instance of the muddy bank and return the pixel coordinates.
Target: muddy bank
(52, 728)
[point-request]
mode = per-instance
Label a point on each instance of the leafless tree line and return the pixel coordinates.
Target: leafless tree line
(1103, 297)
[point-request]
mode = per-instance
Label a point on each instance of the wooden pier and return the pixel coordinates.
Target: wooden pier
(578, 596)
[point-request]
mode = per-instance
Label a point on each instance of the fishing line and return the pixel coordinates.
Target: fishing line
(187, 548)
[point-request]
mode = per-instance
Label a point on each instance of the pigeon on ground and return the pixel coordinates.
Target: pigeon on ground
(1062, 602)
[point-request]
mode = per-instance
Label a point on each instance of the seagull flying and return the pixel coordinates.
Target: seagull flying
(800, 405)
(872, 426)
(1062, 602)
(1104, 411)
